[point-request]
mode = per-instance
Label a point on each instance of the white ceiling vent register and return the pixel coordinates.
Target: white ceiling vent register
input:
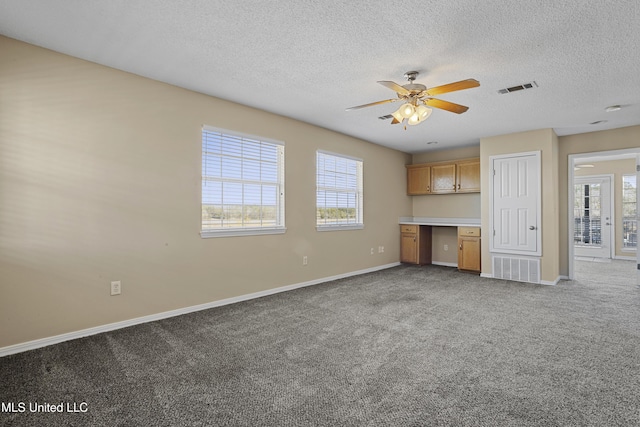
(518, 269)
(523, 86)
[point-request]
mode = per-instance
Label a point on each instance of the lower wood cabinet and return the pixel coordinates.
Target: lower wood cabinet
(415, 244)
(469, 249)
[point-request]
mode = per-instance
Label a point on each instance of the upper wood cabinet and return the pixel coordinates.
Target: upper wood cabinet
(418, 179)
(468, 176)
(443, 178)
(459, 176)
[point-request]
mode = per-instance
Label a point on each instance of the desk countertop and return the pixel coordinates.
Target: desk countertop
(441, 222)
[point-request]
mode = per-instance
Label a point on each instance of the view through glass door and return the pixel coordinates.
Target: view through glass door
(592, 217)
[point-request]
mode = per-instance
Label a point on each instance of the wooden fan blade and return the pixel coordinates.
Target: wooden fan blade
(452, 87)
(394, 86)
(373, 103)
(446, 105)
(395, 121)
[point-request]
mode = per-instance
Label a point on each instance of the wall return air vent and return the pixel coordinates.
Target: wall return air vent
(523, 86)
(516, 268)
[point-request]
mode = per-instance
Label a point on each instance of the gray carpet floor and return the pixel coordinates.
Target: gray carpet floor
(406, 346)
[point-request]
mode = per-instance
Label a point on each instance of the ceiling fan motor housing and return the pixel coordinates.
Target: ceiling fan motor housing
(414, 88)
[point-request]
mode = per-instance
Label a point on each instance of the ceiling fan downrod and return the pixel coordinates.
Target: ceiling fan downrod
(411, 75)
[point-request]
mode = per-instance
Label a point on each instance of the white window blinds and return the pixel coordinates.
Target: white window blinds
(338, 191)
(242, 184)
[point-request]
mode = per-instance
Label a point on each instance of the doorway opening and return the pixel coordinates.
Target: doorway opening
(590, 238)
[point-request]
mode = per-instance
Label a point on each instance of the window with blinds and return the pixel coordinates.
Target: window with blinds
(242, 184)
(338, 192)
(629, 219)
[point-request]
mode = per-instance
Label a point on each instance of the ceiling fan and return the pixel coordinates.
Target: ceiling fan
(417, 98)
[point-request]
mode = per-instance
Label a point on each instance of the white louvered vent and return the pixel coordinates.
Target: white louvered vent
(518, 269)
(516, 88)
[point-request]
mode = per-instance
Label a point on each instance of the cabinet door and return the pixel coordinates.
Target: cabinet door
(419, 180)
(469, 253)
(468, 176)
(443, 178)
(409, 248)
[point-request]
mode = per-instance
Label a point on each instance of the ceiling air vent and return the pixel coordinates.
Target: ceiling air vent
(523, 86)
(387, 117)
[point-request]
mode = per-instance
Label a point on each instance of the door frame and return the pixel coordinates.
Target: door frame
(571, 161)
(611, 207)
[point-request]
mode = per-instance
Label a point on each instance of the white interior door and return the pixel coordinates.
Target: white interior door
(593, 217)
(516, 204)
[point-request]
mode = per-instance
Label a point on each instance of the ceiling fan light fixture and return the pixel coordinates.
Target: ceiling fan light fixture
(423, 112)
(406, 110)
(414, 120)
(397, 116)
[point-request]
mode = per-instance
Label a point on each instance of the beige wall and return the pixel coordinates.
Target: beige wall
(100, 181)
(545, 141)
(446, 205)
(616, 168)
(592, 142)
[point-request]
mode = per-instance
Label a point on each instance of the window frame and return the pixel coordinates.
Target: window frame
(358, 192)
(279, 227)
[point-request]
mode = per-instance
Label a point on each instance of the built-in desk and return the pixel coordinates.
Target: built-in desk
(416, 240)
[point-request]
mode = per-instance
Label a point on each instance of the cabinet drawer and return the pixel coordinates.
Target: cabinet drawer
(469, 231)
(408, 228)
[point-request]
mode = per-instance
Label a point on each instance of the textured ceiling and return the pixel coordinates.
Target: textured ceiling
(310, 60)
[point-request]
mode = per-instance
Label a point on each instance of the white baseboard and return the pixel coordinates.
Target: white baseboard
(43, 342)
(542, 282)
(555, 282)
(625, 258)
(445, 264)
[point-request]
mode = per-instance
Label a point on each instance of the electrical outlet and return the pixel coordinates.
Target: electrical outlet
(116, 287)
(305, 260)
(371, 251)
(446, 247)
(380, 249)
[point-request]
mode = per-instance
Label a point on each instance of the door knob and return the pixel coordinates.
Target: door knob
(531, 227)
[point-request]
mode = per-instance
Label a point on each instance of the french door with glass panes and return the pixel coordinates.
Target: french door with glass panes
(592, 217)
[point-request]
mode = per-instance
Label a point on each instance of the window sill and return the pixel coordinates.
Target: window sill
(339, 227)
(237, 232)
